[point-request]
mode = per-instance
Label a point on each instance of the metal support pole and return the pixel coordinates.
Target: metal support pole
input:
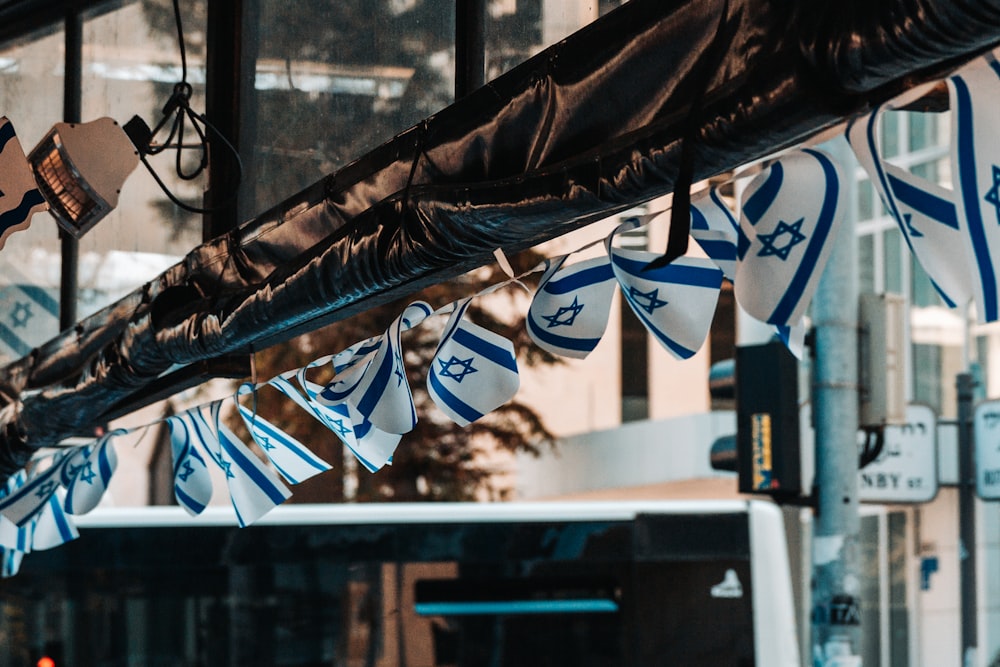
(836, 585)
(965, 386)
(72, 91)
(470, 46)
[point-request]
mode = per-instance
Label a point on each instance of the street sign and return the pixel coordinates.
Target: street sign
(987, 434)
(906, 469)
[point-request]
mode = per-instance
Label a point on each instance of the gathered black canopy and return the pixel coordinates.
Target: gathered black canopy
(639, 103)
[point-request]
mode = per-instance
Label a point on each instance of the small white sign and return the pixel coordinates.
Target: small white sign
(987, 435)
(906, 469)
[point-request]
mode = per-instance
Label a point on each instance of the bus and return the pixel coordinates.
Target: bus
(550, 584)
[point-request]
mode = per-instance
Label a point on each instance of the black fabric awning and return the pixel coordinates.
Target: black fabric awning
(589, 127)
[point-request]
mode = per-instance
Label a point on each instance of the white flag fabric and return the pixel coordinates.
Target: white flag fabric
(10, 562)
(192, 482)
(253, 488)
(790, 211)
(474, 370)
(924, 212)
(24, 502)
(290, 457)
(52, 527)
(19, 196)
(569, 311)
(88, 484)
(371, 446)
(715, 229)
(378, 387)
(675, 302)
(12, 536)
(975, 94)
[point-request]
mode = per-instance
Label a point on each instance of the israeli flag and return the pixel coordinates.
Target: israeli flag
(473, 372)
(291, 458)
(975, 92)
(24, 502)
(379, 388)
(10, 562)
(253, 488)
(924, 211)
(192, 482)
(12, 536)
(569, 311)
(789, 212)
(19, 196)
(52, 527)
(372, 446)
(675, 302)
(716, 230)
(87, 486)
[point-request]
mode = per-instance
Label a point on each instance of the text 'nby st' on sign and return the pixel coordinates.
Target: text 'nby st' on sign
(987, 434)
(905, 471)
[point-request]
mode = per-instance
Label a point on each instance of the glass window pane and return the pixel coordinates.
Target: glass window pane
(922, 130)
(866, 263)
(924, 292)
(890, 134)
(335, 80)
(31, 87)
(131, 62)
(892, 249)
(928, 170)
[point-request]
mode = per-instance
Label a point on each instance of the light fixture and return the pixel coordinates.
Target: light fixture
(80, 169)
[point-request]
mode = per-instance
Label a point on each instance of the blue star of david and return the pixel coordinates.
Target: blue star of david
(339, 425)
(186, 471)
(45, 489)
(88, 474)
(565, 316)
(993, 194)
(264, 442)
(22, 313)
(794, 238)
(227, 466)
(648, 301)
(908, 221)
(465, 366)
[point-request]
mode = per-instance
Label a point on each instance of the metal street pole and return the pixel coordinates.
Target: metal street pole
(965, 386)
(836, 588)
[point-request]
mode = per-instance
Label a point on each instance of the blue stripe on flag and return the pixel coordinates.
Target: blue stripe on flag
(783, 311)
(573, 282)
(718, 250)
(459, 406)
(884, 180)
(698, 220)
(11, 340)
(250, 470)
(269, 429)
(62, 523)
(379, 383)
(565, 342)
(104, 465)
(973, 216)
(714, 194)
(484, 348)
(42, 297)
(188, 501)
(695, 276)
(934, 207)
(758, 203)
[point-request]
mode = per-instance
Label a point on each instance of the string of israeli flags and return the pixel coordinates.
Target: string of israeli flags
(774, 254)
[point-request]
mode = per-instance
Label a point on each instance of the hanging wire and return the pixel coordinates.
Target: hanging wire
(178, 108)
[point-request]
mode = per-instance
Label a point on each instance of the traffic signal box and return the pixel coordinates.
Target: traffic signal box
(767, 420)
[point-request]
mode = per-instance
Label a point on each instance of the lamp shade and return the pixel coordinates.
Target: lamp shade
(80, 169)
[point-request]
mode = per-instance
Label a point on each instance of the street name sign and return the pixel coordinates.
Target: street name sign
(906, 469)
